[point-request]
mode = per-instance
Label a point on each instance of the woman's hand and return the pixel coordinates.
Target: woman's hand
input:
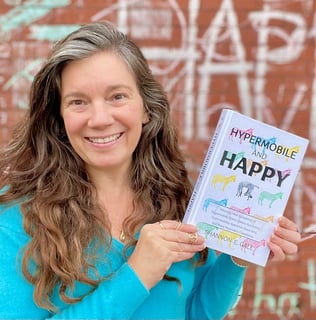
(284, 240)
(160, 245)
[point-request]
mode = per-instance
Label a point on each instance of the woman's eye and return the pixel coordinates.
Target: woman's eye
(76, 102)
(118, 96)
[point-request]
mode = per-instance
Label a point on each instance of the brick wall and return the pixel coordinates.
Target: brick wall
(255, 56)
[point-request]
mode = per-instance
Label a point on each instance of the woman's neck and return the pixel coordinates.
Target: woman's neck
(117, 200)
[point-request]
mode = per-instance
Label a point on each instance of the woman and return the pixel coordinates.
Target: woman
(93, 189)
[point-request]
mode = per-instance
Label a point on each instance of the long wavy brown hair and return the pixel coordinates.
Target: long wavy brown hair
(40, 169)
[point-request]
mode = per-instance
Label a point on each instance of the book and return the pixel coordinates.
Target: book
(244, 185)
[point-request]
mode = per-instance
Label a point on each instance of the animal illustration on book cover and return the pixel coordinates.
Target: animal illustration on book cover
(245, 186)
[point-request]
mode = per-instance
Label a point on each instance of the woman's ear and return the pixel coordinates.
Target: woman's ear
(145, 118)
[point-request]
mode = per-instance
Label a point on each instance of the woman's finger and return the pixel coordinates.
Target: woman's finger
(288, 247)
(176, 225)
(288, 231)
(277, 254)
(183, 242)
(287, 224)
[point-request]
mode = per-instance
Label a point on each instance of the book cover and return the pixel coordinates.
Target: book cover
(244, 185)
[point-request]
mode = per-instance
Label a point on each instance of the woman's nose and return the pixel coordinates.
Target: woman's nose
(101, 114)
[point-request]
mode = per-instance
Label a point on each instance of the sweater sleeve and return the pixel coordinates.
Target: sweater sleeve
(216, 288)
(117, 298)
(16, 299)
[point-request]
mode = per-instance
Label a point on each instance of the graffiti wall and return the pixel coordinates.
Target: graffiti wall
(256, 56)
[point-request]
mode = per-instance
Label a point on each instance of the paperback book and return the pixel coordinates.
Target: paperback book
(244, 185)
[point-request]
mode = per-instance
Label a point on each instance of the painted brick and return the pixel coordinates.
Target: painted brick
(271, 46)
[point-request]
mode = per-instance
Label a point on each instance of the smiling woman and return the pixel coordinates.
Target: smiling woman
(103, 112)
(93, 192)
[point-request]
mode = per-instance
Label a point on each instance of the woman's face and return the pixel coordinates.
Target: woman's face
(103, 111)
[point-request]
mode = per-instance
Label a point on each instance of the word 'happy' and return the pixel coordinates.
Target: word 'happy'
(254, 168)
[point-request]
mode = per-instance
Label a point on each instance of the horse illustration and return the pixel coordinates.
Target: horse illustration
(265, 195)
(249, 189)
(265, 219)
(249, 162)
(208, 201)
(295, 149)
(242, 133)
(238, 155)
(229, 236)
(252, 244)
(265, 144)
(218, 178)
(241, 210)
(206, 227)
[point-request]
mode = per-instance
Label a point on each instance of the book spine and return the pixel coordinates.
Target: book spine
(189, 214)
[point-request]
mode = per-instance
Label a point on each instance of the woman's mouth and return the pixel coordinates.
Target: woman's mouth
(104, 140)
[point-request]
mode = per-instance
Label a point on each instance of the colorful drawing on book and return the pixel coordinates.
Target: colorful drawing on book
(262, 142)
(236, 156)
(288, 152)
(249, 244)
(241, 210)
(251, 164)
(225, 180)
(249, 189)
(271, 197)
(265, 219)
(229, 236)
(242, 134)
(285, 173)
(266, 172)
(208, 201)
(206, 228)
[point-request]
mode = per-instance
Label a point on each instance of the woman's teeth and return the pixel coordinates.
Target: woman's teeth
(106, 139)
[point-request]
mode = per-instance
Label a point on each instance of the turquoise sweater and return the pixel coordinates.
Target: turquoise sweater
(206, 292)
